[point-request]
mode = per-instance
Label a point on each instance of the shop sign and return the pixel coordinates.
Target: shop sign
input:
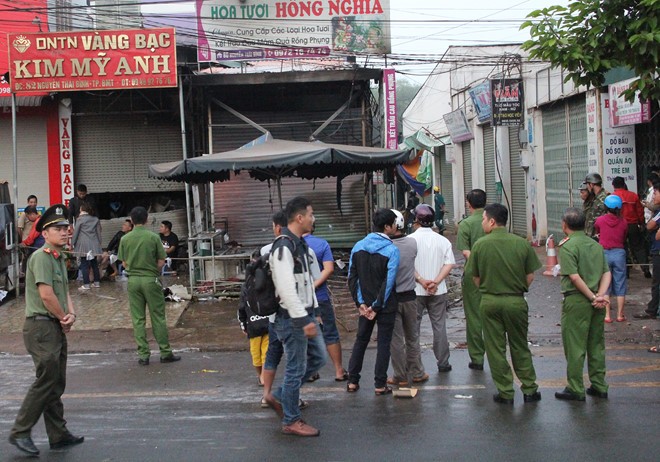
(619, 156)
(593, 148)
(457, 124)
(480, 96)
(507, 102)
(280, 29)
(66, 150)
(391, 128)
(92, 60)
(623, 112)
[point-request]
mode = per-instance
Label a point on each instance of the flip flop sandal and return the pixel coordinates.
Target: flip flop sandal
(608, 320)
(352, 387)
(264, 404)
(314, 378)
(343, 378)
(621, 319)
(383, 391)
(654, 349)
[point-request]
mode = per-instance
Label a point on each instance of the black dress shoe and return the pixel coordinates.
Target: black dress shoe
(143, 362)
(591, 391)
(68, 440)
(475, 366)
(25, 444)
(502, 400)
(170, 359)
(568, 395)
(534, 397)
(644, 315)
(444, 368)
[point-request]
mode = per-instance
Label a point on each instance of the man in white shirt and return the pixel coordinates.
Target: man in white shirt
(434, 261)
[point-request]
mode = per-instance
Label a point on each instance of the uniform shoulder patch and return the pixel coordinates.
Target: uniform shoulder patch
(563, 241)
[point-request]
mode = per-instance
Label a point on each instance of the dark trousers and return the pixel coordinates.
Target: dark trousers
(47, 345)
(652, 307)
(84, 269)
(637, 246)
(385, 322)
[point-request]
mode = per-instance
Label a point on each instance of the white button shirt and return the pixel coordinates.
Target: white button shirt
(433, 252)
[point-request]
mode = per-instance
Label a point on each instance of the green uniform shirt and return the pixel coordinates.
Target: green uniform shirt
(580, 254)
(502, 261)
(140, 250)
(45, 266)
(469, 231)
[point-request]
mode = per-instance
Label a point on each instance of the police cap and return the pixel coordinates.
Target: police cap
(56, 215)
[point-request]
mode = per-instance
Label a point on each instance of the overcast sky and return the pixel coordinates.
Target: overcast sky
(425, 28)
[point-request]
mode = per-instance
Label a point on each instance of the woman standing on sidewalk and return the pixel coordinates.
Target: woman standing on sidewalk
(86, 239)
(611, 230)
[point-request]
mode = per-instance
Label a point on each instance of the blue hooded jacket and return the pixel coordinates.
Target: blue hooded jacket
(372, 272)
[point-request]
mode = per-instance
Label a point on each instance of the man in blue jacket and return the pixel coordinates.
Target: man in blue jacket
(371, 278)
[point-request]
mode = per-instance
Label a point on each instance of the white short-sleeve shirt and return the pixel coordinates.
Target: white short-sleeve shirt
(433, 252)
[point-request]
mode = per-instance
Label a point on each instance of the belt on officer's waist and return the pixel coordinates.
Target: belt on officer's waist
(41, 317)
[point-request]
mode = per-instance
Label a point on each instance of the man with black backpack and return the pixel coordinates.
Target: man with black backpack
(291, 263)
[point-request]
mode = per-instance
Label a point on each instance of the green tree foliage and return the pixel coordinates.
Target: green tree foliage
(589, 37)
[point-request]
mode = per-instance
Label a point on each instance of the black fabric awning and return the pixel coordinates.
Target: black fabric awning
(275, 158)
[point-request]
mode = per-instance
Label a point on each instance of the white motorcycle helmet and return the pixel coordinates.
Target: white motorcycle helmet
(399, 222)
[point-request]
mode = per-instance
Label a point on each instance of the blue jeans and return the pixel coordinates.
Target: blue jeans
(304, 357)
(616, 260)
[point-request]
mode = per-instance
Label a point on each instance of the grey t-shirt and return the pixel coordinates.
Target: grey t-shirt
(405, 276)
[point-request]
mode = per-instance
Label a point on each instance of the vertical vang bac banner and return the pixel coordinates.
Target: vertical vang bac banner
(66, 150)
(391, 127)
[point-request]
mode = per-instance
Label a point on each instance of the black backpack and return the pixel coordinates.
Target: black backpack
(260, 288)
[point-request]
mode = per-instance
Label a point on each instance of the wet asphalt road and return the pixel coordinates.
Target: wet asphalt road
(205, 408)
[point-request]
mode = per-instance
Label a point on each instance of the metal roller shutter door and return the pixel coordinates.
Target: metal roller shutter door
(447, 188)
(249, 204)
(112, 153)
(467, 166)
(518, 187)
(32, 158)
(555, 151)
(577, 117)
(489, 165)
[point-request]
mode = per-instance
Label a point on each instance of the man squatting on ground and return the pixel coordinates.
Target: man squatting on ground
(503, 266)
(49, 316)
(295, 325)
(585, 281)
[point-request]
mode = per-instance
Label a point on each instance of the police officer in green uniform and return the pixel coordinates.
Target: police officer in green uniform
(597, 206)
(469, 230)
(143, 256)
(503, 267)
(49, 316)
(585, 281)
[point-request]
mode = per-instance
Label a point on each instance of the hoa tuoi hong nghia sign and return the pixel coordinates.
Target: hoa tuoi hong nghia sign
(92, 60)
(280, 29)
